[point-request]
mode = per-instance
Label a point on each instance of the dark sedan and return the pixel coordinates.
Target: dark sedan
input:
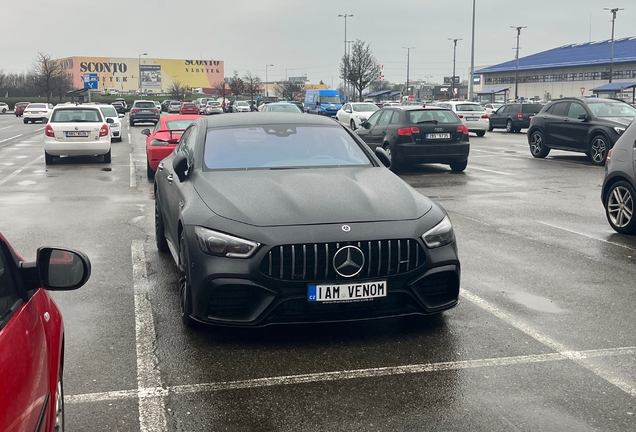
(514, 116)
(586, 125)
(414, 134)
(280, 218)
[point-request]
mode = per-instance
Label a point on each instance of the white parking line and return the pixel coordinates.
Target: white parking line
(152, 416)
(587, 235)
(9, 139)
(19, 170)
(133, 177)
(6, 127)
(487, 170)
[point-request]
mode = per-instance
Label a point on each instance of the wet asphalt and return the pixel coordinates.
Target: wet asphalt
(544, 338)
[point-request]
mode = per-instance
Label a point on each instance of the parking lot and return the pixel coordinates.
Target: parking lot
(542, 340)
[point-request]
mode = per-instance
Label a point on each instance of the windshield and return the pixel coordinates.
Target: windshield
(31, 106)
(469, 107)
(144, 105)
(612, 109)
(281, 146)
(76, 115)
(285, 108)
(365, 107)
(175, 103)
(109, 111)
(241, 103)
(434, 116)
(329, 99)
(178, 124)
(211, 103)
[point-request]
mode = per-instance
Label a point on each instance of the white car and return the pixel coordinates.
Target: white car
(115, 127)
(77, 130)
(4, 108)
(354, 113)
(492, 107)
(241, 106)
(37, 112)
(473, 115)
(213, 107)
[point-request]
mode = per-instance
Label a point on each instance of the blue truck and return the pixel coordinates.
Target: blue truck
(324, 102)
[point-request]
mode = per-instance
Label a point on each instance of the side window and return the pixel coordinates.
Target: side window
(395, 118)
(9, 296)
(184, 137)
(560, 109)
(575, 110)
(386, 117)
(374, 118)
(189, 143)
(347, 107)
(506, 109)
(500, 110)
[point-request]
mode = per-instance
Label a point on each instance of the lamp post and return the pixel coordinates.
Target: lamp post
(267, 81)
(139, 63)
(348, 86)
(408, 66)
(454, 57)
(613, 11)
(345, 16)
(472, 59)
(517, 58)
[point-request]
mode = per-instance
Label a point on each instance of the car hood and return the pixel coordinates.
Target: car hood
(623, 121)
(310, 196)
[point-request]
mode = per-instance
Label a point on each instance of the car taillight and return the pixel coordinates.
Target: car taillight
(462, 129)
(485, 116)
(155, 110)
(520, 116)
(408, 131)
(48, 131)
(134, 110)
(103, 131)
(460, 116)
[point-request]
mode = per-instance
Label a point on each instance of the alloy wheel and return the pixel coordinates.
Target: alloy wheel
(536, 143)
(598, 149)
(387, 149)
(620, 206)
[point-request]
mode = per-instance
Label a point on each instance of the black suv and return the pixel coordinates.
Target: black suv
(414, 134)
(144, 111)
(586, 125)
(513, 116)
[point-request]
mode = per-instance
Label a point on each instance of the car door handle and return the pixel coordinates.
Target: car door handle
(566, 120)
(160, 167)
(169, 178)
(545, 117)
(383, 132)
(181, 204)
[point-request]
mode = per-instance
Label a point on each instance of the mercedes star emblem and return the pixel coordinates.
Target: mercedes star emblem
(348, 261)
(76, 127)
(346, 228)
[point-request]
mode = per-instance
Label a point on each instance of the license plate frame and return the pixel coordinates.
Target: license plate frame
(472, 118)
(76, 134)
(346, 292)
(438, 135)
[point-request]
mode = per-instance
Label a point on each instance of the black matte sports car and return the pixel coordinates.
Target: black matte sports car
(281, 218)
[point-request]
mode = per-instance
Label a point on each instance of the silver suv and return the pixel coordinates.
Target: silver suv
(144, 111)
(619, 187)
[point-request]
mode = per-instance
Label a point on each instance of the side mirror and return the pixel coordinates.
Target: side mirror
(121, 115)
(62, 269)
(180, 166)
(110, 120)
(348, 110)
(145, 132)
(381, 154)
(584, 117)
(365, 124)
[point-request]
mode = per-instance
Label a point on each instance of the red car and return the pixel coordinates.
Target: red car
(32, 335)
(163, 139)
(188, 108)
(19, 107)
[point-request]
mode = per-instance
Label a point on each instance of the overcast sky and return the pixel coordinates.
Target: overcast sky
(303, 36)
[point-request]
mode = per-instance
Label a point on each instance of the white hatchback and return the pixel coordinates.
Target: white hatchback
(354, 113)
(37, 112)
(77, 130)
(473, 115)
(115, 127)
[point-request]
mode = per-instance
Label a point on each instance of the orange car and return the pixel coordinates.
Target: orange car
(163, 139)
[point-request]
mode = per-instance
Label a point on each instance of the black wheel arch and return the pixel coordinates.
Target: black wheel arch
(616, 177)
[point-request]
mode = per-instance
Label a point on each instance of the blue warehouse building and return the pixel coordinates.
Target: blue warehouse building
(569, 70)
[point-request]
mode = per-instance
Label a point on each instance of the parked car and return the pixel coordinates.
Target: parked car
(188, 108)
(19, 107)
(164, 105)
(213, 107)
(618, 193)
(316, 256)
(174, 107)
(161, 140)
(354, 113)
(202, 103)
(491, 107)
(144, 111)
(4, 108)
(77, 130)
(473, 115)
(158, 105)
(587, 125)
(282, 107)
(110, 112)
(119, 107)
(123, 102)
(323, 102)
(229, 106)
(37, 112)
(514, 116)
(414, 134)
(240, 106)
(32, 335)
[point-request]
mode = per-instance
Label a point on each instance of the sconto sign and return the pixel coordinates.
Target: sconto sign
(145, 73)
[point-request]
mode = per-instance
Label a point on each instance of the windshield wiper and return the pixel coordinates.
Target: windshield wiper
(428, 121)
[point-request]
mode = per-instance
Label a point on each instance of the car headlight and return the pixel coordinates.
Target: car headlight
(219, 244)
(440, 235)
(619, 130)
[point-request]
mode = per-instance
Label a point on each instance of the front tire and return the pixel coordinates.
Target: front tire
(538, 148)
(598, 150)
(107, 157)
(459, 166)
(620, 206)
(395, 165)
(160, 233)
(185, 291)
(490, 128)
(353, 125)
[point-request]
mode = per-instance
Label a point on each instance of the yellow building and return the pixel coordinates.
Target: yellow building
(128, 75)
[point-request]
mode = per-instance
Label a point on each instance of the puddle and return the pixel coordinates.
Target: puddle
(107, 169)
(537, 303)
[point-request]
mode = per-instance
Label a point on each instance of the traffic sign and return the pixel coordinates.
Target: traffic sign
(582, 90)
(91, 81)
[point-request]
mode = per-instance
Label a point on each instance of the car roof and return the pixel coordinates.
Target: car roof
(264, 118)
(416, 107)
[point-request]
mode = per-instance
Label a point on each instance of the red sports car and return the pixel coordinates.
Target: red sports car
(163, 139)
(189, 108)
(19, 107)
(32, 335)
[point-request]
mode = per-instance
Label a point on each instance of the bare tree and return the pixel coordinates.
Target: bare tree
(289, 90)
(49, 76)
(379, 85)
(361, 66)
(237, 85)
(177, 90)
(252, 83)
(222, 90)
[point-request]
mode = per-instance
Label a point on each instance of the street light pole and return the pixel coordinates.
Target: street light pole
(454, 58)
(408, 66)
(345, 16)
(267, 81)
(139, 78)
(517, 61)
(613, 11)
(472, 59)
(348, 86)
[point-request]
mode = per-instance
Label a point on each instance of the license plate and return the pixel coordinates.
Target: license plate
(472, 118)
(145, 110)
(438, 136)
(344, 293)
(77, 134)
